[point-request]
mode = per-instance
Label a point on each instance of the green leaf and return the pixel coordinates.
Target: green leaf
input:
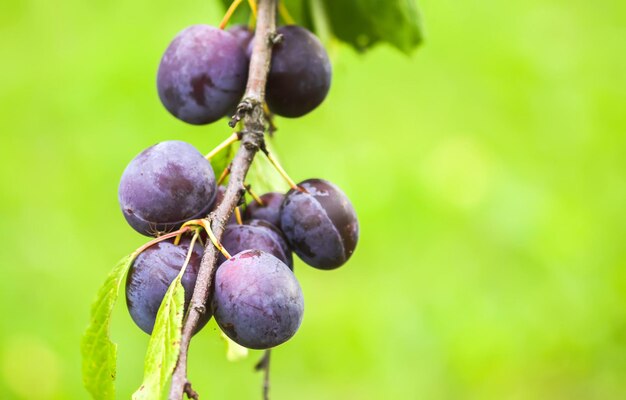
(164, 344)
(98, 352)
(223, 158)
(360, 23)
(262, 176)
(234, 351)
(363, 23)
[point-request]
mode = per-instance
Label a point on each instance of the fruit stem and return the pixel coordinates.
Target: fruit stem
(280, 169)
(230, 140)
(216, 242)
(284, 14)
(189, 252)
(238, 216)
(254, 195)
(223, 175)
(162, 238)
(194, 223)
(229, 13)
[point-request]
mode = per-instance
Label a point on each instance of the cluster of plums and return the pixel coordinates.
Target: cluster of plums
(257, 300)
(203, 73)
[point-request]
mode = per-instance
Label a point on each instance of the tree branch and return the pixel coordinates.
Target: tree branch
(264, 365)
(251, 109)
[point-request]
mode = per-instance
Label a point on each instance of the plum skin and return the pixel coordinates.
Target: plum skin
(243, 34)
(164, 186)
(278, 236)
(320, 224)
(269, 211)
(300, 73)
(257, 302)
(256, 235)
(151, 274)
(202, 74)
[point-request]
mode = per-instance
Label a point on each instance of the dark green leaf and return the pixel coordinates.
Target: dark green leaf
(222, 159)
(164, 344)
(362, 23)
(298, 11)
(98, 352)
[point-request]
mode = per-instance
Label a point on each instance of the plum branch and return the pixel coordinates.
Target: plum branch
(250, 110)
(264, 365)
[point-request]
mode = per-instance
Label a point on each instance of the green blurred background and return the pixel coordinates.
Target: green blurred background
(488, 171)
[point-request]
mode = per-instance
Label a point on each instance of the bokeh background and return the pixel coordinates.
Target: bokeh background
(488, 170)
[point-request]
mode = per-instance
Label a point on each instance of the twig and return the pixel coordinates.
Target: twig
(191, 394)
(251, 110)
(264, 365)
